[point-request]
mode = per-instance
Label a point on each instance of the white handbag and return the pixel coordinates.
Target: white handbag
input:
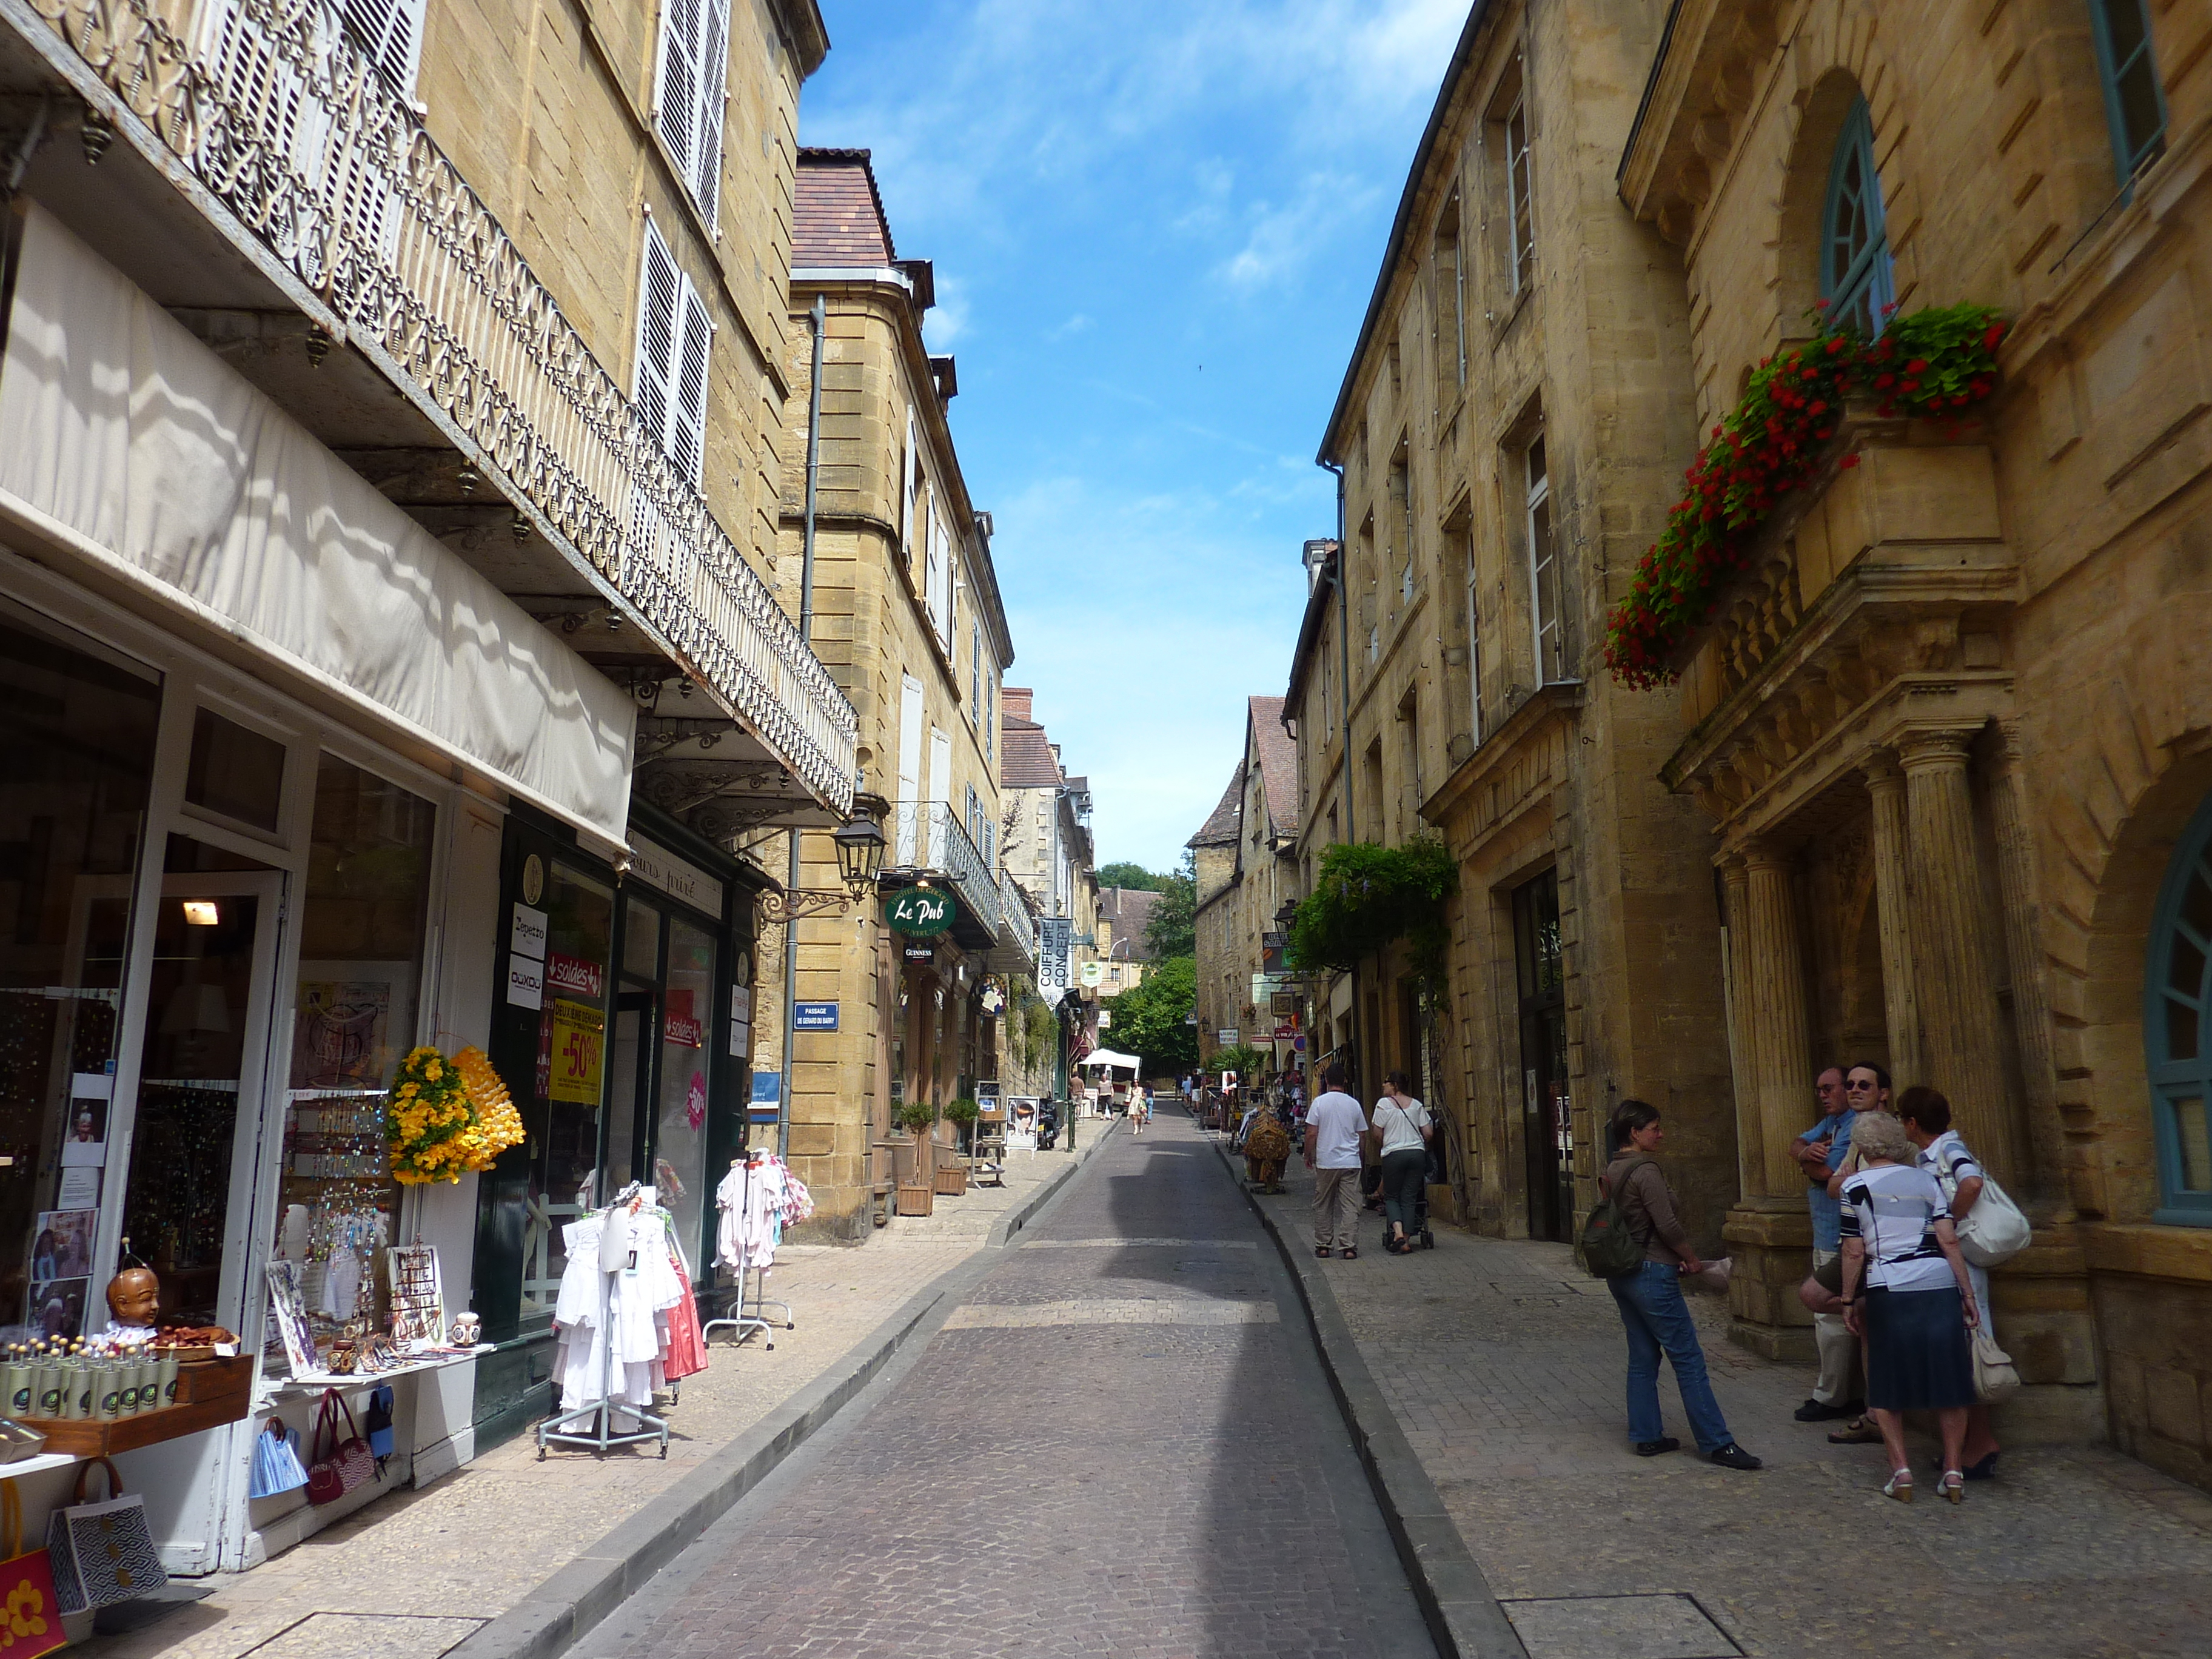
(1994, 1375)
(1994, 1231)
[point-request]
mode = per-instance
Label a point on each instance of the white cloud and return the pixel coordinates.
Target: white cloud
(1078, 324)
(948, 318)
(1282, 240)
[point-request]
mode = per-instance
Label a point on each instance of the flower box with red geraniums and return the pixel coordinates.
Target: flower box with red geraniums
(1936, 363)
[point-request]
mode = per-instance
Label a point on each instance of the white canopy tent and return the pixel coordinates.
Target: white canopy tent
(1108, 1057)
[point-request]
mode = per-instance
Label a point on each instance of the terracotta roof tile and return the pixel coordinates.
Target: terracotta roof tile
(837, 214)
(1025, 760)
(1222, 828)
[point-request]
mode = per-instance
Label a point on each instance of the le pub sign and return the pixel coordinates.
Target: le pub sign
(919, 912)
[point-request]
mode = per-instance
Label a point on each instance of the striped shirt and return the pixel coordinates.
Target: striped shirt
(1948, 1160)
(1892, 1210)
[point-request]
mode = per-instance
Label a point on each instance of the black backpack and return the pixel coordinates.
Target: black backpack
(1609, 1245)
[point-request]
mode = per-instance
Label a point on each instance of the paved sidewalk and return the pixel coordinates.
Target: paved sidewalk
(1504, 1364)
(415, 1573)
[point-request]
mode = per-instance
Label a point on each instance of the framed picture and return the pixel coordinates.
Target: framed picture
(58, 1307)
(288, 1302)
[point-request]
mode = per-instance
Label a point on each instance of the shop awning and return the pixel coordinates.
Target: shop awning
(124, 438)
(1108, 1057)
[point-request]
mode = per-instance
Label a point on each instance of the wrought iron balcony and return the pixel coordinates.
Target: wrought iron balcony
(310, 162)
(927, 839)
(1018, 932)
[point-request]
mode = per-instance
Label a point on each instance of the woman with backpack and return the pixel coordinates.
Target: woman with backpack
(1650, 1296)
(1402, 1123)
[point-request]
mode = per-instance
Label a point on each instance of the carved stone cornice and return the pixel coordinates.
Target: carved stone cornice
(1561, 700)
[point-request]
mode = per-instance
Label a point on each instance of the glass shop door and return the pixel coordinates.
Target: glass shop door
(196, 1143)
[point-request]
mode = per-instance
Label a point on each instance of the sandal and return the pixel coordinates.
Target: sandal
(1324, 1251)
(1859, 1431)
(1900, 1486)
(1351, 1252)
(1952, 1485)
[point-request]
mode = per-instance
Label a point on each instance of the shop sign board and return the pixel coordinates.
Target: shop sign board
(525, 982)
(1054, 935)
(1105, 1020)
(921, 953)
(575, 976)
(919, 912)
(659, 868)
(678, 1026)
(580, 1032)
(741, 1039)
(526, 938)
(1226, 1036)
(814, 1017)
(768, 1089)
(1094, 973)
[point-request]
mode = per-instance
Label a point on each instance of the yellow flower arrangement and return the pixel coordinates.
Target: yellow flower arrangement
(447, 1116)
(498, 1124)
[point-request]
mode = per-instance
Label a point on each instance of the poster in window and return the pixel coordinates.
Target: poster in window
(57, 1308)
(579, 1052)
(86, 1143)
(342, 1036)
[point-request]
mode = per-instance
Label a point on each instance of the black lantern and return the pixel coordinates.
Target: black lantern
(1287, 915)
(860, 852)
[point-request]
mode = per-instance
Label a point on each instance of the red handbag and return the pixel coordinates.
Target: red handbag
(30, 1622)
(348, 1463)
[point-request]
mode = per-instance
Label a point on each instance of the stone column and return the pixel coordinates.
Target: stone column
(1893, 908)
(1773, 976)
(1953, 986)
(1751, 1157)
(2030, 973)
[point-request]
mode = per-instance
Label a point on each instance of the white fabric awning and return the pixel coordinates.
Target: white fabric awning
(1108, 1057)
(127, 439)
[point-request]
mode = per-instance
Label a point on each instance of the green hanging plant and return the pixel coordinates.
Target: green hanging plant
(1367, 897)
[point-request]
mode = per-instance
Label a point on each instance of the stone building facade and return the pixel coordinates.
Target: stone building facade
(1508, 433)
(1948, 733)
(907, 616)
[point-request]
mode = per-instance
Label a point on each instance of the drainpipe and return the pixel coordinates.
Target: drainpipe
(1344, 703)
(819, 317)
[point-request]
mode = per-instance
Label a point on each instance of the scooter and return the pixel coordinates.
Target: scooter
(1048, 1124)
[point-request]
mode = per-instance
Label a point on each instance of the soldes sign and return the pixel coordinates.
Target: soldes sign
(919, 912)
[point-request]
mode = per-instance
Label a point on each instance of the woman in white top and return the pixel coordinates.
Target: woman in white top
(1926, 1115)
(1905, 1290)
(1404, 1127)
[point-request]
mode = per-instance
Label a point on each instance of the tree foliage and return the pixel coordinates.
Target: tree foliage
(1172, 928)
(1151, 1020)
(1133, 877)
(1368, 897)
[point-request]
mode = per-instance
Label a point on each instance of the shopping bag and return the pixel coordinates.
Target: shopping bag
(342, 1465)
(277, 1466)
(30, 1622)
(377, 1421)
(102, 1553)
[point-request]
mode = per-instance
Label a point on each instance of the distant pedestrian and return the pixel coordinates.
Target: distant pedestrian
(1905, 1290)
(1819, 1151)
(1652, 1311)
(1335, 1128)
(1404, 1124)
(1140, 1110)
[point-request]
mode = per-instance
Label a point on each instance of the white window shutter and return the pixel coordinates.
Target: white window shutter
(677, 115)
(713, 58)
(906, 495)
(659, 314)
(391, 33)
(687, 433)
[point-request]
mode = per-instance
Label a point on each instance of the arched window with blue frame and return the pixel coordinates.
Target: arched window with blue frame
(2178, 1028)
(2134, 102)
(1854, 270)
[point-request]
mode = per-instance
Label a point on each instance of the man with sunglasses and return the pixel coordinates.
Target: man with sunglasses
(1818, 1151)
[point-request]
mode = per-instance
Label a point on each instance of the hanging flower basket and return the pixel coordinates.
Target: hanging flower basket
(447, 1116)
(1936, 363)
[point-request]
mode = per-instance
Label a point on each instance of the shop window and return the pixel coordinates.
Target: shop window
(564, 1164)
(2177, 1029)
(1856, 280)
(235, 772)
(362, 932)
(77, 730)
(687, 1064)
(2134, 103)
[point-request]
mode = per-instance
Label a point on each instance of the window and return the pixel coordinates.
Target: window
(1544, 607)
(1473, 647)
(391, 33)
(2177, 1029)
(674, 335)
(695, 42)
(1520, 210)
(2133, 102)
(1451, 305)
(975, 667)
(1854, 274)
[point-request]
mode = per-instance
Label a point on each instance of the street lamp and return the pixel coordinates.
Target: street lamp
(1287, 915)
(859, 842)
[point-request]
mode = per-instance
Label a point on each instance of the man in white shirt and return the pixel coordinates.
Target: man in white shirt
(1335, 1123)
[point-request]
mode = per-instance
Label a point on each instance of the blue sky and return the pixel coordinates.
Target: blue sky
(1155, 229)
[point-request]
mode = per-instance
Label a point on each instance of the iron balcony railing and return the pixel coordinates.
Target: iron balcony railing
(928, 837)
(285, 121)
(1019, 927)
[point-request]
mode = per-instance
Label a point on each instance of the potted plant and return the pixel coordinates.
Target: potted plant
(964, 1114)
(915, 1116)
(917, 1188)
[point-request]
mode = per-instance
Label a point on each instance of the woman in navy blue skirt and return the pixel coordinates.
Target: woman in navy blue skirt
(1906, 1291)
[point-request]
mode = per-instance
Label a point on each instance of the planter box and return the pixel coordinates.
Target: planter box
(916, 1201)
(952, 1180)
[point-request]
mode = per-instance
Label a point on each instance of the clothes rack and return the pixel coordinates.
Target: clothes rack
(603, 1435)
(753, 1301)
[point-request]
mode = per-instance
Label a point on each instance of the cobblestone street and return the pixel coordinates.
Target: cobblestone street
(1504, 1362)
(1121, 1443)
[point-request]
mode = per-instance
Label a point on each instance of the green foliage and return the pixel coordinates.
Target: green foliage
(1249, 1063)
(915, 1116)
(1172, 929)
(1043, 1030)
(963, 1112)
(1367, 897)
(1151, 1020)
(1134, 876)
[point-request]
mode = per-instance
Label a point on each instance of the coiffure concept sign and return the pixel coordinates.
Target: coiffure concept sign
(919, 912)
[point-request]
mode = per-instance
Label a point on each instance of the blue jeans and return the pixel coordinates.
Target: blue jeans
(1656, 1317)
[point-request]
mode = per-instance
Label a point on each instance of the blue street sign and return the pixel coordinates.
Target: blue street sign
(767, 1087)
(815, 1017)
